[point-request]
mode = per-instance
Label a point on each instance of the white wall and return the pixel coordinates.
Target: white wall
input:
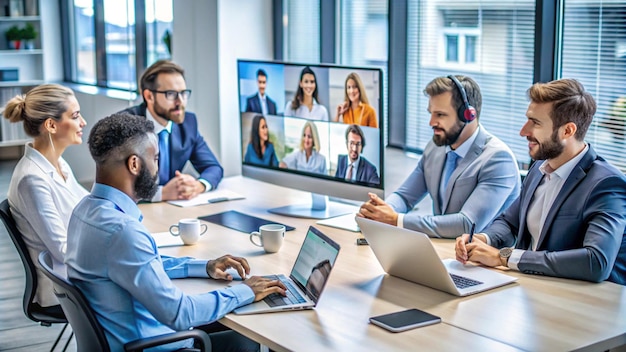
(208, 38)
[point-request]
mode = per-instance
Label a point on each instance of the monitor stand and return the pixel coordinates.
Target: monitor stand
(320, 208)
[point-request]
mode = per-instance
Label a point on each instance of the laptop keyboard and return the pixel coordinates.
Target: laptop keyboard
(276, 299)
(464, 282)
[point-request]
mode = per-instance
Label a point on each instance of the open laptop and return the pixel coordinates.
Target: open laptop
(307, 280)
(411, 256)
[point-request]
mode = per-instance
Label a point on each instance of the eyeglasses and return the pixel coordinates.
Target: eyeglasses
(173, 95)
(355, 144)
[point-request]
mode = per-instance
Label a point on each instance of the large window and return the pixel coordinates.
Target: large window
(489, 41)
(594, 52)
(301, 28)
(112, 41)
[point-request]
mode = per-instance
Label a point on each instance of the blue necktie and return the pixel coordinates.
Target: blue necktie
(451, 158)
(164, 157)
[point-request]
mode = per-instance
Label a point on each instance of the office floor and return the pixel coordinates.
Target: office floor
(18, 333)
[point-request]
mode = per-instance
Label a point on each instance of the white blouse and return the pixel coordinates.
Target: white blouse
(297, 161)
(318, 112)
(41, 202)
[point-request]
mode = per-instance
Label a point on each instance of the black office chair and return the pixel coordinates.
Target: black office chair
(32, 311)
(89, 333)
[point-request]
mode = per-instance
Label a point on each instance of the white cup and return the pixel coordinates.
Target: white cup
(189, 230)
(271, 237)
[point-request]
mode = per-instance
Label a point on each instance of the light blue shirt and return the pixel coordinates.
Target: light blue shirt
(297, 161)
(317, 113)
(112, 258)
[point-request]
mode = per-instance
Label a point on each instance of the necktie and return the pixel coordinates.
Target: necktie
(349, 173)
(164, 157)
(451, 158)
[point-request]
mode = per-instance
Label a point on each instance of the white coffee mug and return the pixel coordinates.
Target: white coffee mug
(271, 237)
(189, 230)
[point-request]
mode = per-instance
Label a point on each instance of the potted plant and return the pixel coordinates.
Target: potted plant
(13, 35)
(29, 34)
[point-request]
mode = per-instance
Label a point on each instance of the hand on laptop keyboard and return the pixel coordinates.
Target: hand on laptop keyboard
(262, 287)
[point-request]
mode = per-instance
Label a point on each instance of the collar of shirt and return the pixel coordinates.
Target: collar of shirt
(157, 126)
(43, 163)
(262, 97)
(462, 150)
(356, 162)
(121, 200)
(565, 170)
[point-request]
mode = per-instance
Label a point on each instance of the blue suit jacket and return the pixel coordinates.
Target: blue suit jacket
(366, 172)
(485, 182)
(253, 104)
(583, 235)
(186, 144)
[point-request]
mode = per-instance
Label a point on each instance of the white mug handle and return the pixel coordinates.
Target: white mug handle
(177, 230)
(254, 235)
(205, 228)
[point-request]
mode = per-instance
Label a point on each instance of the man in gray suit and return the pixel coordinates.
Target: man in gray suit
(471, 175)
(570, 218)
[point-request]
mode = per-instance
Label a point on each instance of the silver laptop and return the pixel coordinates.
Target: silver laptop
(307, 280)
(411, 256)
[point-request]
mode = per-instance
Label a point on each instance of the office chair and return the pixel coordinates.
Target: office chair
(32, 311)
(89, 334)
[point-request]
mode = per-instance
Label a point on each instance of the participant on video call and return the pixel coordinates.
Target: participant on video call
(165, 96)
(570, 218)
(470, 175)
(355, 108)
(307, 157)
(319, 275)
(260, 150)
(113, 259)
(260, 102)
(354, 166)
(43, 190)
(305, 103)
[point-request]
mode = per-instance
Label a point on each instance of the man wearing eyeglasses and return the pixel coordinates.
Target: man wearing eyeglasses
(353, 166)
(165, 97)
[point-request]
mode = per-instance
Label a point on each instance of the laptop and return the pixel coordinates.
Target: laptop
(411, 256)
(307, 280)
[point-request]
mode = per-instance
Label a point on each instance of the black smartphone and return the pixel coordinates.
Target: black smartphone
(405, 320)
(361, 242)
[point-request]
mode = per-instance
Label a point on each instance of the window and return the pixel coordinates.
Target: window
(593, 51)
(112, 41)
(489, 41)
(301, 28)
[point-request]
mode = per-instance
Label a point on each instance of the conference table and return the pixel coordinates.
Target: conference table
(535, 313)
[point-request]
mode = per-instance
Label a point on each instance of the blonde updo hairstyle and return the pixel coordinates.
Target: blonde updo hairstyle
(39, 104)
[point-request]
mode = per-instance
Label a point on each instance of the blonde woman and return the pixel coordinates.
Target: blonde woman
(43, 191)
(307, 157)
(355, 109)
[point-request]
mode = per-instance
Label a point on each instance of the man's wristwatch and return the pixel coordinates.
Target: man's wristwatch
(505, 253)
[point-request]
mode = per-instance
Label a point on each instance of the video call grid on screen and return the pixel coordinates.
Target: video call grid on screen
(285, 132)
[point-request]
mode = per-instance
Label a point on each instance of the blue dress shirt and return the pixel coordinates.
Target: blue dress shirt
(112, 258)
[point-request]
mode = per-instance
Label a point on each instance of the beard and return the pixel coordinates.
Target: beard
(547, 150)
(167, 114)
(146, 185)
(449, 137)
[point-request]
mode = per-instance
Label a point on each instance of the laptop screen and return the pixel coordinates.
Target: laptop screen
(315, 260)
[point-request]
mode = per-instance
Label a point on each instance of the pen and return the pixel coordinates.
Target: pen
(218, 199)
(472, 232)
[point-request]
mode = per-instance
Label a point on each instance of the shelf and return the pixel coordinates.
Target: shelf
(14, 143)
(21, 52)
(19, 18)
(4, 84)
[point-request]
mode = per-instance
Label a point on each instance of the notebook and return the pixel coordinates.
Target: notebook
(411, 256)
(307, 280)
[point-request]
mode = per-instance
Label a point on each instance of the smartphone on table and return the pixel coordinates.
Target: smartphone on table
(405, 320)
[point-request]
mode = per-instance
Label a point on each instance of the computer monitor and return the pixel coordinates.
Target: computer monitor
(316, 128)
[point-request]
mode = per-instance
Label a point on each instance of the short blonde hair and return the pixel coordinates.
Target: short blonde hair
(39, 104)
(316, 137)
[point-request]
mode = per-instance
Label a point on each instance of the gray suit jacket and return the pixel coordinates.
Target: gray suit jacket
(485, 182)
(583, 235)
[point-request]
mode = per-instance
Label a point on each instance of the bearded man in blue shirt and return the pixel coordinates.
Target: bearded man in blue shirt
(113, 259)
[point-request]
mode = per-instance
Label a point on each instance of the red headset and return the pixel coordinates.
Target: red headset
(466, 112)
